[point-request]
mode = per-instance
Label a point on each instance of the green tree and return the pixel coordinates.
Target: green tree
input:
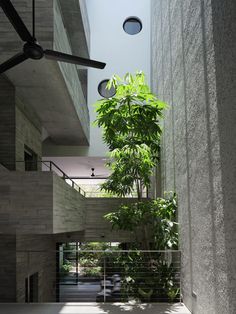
(131, 128)
(156, 217)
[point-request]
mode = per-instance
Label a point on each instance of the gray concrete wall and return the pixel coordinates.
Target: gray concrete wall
(8, 123)
(99, 229)
(7, 268)
(193, 70)
(85, 19)
(22, 256)
(19, 127)
(26, 202)
(39, 203)
(224, 34)
(70, 75)
(75, 19)
(36, 254)
(26, 134)
(54, 91)
(68, 207)
(10, 42)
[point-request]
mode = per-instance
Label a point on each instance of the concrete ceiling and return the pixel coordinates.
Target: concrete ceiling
(40, 84)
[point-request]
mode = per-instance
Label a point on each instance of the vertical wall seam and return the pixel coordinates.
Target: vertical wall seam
(172, 97)
(187, 155)
(163, 93)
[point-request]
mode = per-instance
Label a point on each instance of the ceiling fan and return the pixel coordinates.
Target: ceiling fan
(93, 175)
(31, 48)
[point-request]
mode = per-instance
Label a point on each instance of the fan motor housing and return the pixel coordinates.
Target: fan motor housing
(33, 51)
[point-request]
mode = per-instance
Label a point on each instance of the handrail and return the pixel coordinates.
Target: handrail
(64, 175)
(93, 188)
(118, 275)
(101, 251)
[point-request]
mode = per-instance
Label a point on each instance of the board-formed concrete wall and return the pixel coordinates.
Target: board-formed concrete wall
(99, 229)
(22, 256)
(193, 70)
(7, 268)
(19, 127)
(68, 207)
(70, 75)
(36, 254)
(39, 203)
(26, 134)
(8, 123)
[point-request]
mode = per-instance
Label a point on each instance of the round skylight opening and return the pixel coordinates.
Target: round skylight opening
(104, 91)
(132, 25)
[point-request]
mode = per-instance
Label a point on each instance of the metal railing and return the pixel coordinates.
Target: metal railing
(48, 165)
(92, 188)
(106, 276)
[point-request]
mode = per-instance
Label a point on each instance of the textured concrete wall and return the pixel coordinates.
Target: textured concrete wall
(75, 19)
(41, 259)
(7, 124)
(26, 134)
(85, 19)
(97, 228)
(20, 257)
(54, 91)
(193, 70)
(10, 42)
(38, 203)
(224, 34)
(68, 207)
(18, 127)
(70, 74)
(26, 202)
(7, 268)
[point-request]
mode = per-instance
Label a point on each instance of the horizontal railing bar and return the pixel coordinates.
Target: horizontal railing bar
(89, 178)
(64, 175)
(100, 251)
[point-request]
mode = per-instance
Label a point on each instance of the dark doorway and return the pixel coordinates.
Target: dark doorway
(31, 288)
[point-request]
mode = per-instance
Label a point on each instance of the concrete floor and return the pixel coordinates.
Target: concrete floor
(93, 308)
(82, 292)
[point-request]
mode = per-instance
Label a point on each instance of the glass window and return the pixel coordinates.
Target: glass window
(132, 26)
(103, 91)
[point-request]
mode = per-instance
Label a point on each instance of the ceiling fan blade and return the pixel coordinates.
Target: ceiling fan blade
(16, 20)
(63, 57)
(15, 60)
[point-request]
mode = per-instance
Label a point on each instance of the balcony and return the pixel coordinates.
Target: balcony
(44, 200)
(40, 202)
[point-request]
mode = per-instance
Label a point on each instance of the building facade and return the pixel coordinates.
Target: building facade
(189, 48)
(193, 70)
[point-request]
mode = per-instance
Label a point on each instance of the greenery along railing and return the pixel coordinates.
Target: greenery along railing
(87, 186)
(93, 188)
(123, 275)
(110, 275)
(48, 165)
